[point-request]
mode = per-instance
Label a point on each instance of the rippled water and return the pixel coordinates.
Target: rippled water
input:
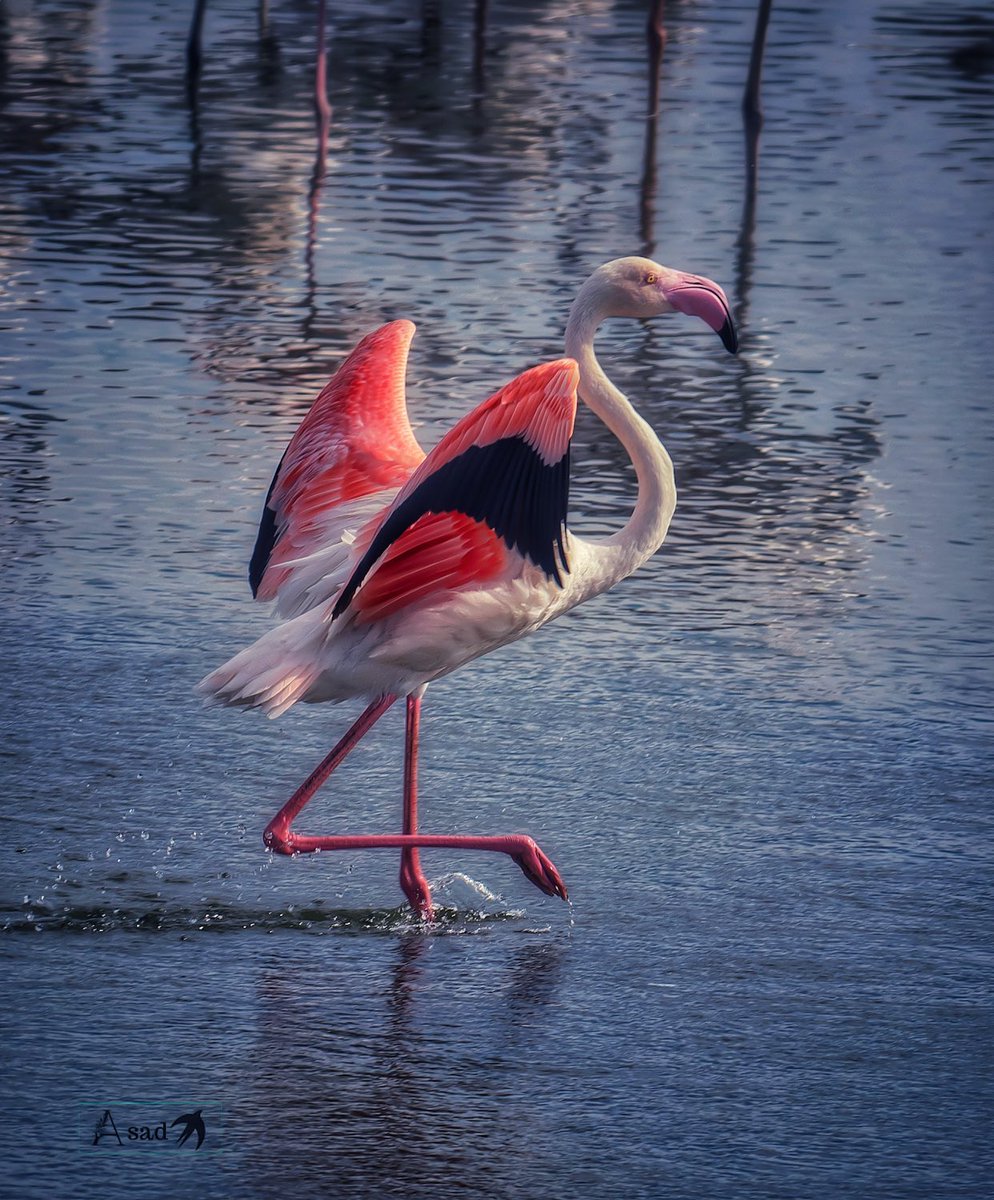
(763, 764)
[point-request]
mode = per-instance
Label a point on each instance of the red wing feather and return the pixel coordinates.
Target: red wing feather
(439, 552)
(497, 482)
(357, 437)
(539, 406)
(355, 443)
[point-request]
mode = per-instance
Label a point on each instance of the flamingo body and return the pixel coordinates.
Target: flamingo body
(468, 555)
(393, 568)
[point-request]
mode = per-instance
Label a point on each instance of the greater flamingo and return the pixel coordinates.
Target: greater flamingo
(391, 568)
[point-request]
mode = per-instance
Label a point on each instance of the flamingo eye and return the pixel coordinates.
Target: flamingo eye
(650, 278)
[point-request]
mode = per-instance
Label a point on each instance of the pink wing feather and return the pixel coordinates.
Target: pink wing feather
(539, 406)
(439, 552)
(492, 488)
(350, 453)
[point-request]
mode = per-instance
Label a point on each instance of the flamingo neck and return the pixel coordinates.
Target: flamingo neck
(623, 552)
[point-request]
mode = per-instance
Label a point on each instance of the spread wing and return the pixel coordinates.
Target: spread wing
(351, 453)
(490, 497)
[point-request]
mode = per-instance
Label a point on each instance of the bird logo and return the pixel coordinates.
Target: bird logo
(194, 1123)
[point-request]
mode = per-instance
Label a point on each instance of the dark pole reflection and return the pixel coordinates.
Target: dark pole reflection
(656, 36)
(193, 96)
(751, 99)
(194, 52)
(431, 30)
(752, 120)
(479, 46)
(269, 48)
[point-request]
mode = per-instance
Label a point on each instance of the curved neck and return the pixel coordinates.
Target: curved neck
(643, 534)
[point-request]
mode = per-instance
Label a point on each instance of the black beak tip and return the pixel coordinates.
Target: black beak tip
(729, 338)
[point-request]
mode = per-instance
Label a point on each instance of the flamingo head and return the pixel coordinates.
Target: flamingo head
(640, 288)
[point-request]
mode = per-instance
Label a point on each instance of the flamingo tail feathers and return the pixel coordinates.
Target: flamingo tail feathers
(274, 672)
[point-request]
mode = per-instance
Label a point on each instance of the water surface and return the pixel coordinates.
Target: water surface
(763, 764)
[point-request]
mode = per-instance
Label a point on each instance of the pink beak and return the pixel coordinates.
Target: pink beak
(700, 297)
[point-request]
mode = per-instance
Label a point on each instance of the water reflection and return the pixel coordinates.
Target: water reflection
(480, 47)
(400, 1073)
(656, 39)
(948, 49)
(752, 123)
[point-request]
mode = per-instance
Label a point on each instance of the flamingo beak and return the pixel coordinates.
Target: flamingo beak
(699, 297)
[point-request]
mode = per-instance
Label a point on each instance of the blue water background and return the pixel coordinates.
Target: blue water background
(763, 764)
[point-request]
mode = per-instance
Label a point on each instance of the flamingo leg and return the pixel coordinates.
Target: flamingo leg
(277, 835)
(412, 878)
(536, 865)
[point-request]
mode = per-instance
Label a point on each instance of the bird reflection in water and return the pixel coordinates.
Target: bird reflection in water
(368, 1066)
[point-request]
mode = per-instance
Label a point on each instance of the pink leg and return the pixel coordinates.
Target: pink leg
(412, 879)
(278, 837)
(536, 865)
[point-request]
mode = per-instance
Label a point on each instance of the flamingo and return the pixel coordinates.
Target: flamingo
(391, 568)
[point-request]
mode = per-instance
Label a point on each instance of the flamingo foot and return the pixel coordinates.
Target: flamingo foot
(536, 865)
(415, 885)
